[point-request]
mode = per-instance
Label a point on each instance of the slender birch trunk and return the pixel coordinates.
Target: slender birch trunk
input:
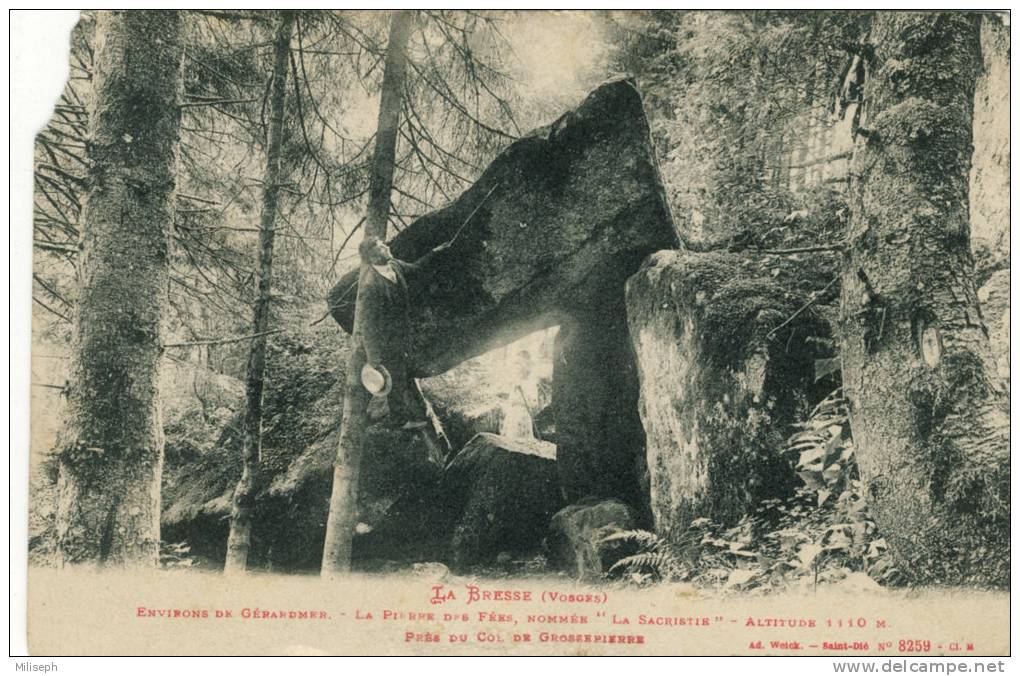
(343, 512)
(111, 446)
(243, 506)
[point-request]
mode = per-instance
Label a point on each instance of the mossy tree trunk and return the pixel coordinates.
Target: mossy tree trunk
(111, 446)
(343, 503)
(930, 421)
(243, 504)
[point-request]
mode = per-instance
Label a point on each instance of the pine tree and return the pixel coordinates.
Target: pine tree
(243, 505)
(111, 447)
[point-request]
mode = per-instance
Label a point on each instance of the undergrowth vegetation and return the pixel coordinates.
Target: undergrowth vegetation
(821, 534)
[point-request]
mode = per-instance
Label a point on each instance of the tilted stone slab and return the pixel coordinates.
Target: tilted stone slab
(563, 214)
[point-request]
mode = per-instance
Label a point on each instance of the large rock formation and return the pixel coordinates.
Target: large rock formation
(726, 366)
(558, 222)
(405, 495)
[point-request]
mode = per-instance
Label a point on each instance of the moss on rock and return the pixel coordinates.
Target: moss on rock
(726, 366)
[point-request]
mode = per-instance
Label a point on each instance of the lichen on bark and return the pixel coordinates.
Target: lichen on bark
(111, 448)
(930, 422)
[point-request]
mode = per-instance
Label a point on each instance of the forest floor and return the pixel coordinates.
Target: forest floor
(432, 612)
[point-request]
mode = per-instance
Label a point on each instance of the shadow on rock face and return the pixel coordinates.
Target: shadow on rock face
(497, 495)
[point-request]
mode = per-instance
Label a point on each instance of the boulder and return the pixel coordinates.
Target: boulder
(725, 351)
(496, 495)
(560, 215)
(510, 491)
(576, 543)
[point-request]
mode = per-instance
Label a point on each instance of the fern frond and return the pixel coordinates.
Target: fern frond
(650, 560)
(643, 538)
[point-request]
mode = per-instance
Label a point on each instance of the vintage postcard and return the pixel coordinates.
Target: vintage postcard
(452, 332)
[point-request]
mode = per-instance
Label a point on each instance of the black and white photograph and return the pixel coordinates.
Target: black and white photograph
(521, 332)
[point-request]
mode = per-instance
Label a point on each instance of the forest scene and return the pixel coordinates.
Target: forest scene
(627, 298)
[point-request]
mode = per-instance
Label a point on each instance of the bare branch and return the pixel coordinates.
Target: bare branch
(223, 341)
(48, 308)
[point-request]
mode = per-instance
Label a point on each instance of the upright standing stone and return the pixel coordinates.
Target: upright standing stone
(722, 377)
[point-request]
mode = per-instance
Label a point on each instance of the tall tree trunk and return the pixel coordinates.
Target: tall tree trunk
(343, 512)
(243, 506)
(111, 446)
(929, 418)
